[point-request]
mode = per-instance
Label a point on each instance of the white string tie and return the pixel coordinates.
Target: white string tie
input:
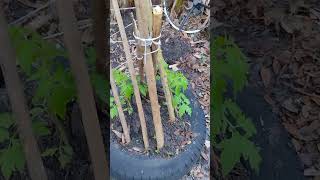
(148, 43)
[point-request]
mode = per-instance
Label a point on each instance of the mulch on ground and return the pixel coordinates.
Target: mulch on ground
(281, 40)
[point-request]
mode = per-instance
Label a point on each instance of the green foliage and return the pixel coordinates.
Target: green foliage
(124, 83)
(12, 158)
(231, 129)
(126, 92)
(11, 155)
(64, 154)
(178, 83)
(46, 64)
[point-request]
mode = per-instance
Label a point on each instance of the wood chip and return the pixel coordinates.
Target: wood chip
(266, 76)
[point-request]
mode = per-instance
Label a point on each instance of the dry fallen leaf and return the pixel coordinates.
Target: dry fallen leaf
(266, 76)
(288, 104)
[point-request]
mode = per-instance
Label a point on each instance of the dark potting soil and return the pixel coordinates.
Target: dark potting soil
(177, 135)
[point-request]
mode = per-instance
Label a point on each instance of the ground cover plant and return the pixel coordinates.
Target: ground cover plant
(232, 130)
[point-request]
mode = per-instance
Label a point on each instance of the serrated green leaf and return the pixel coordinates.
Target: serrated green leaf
(100, 86)
(4, 135)
(40, 128)
(229, 64)
(6, 120)
(113, 111)
(42, 91)
(230, 155)
(65, 156)
(58, 100)
(67, 150)
(242, 121)
(49, 152)
(12, 159)
(143, 89)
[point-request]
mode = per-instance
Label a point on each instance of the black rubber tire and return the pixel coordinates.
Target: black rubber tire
(124, 166)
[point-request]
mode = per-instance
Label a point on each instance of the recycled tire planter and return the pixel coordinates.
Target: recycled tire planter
(125, 166)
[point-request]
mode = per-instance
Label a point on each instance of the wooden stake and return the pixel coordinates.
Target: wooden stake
(100, 32)
(79, 70)
(120, 111)
(132, 74)
(157, 23)
(19, 107)
(140, 50)
(144, 17)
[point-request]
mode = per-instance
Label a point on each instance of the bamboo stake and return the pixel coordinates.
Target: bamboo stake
(144, 17)
(132, 74)
(18, 102)
(120, 111)
(86, 99)
(157, 23)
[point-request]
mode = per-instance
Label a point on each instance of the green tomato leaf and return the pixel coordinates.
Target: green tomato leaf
(4, 135)
(6, 120)
(12, 159)
(100, 86)
(60, 97)
(40, 128)
(49, 152)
